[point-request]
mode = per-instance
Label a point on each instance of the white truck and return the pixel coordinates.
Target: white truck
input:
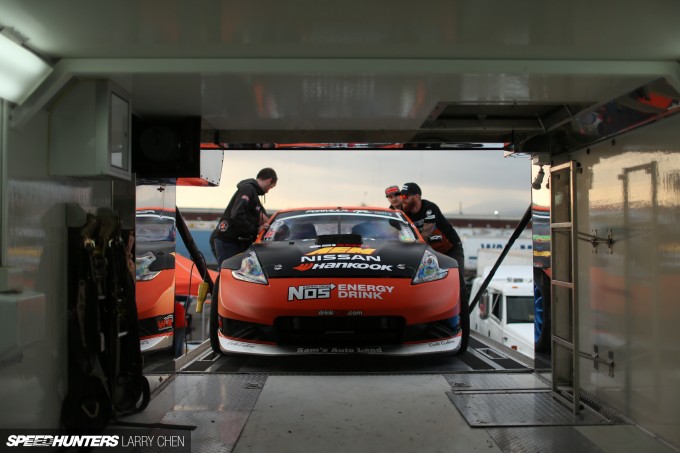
(480, 245)
(505, 311)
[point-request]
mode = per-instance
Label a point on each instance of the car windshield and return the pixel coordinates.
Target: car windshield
(154, 226)
(371, 225)
(520, 309)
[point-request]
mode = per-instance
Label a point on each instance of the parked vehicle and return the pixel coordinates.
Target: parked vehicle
(478, 246)
(155, 277)
(505, 311)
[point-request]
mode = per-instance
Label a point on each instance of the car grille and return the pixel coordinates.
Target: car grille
(340, 330)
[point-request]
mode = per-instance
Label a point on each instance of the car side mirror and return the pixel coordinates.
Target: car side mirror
(484, 305)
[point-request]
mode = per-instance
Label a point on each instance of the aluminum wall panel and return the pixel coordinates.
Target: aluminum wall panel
(33, 377)
(630, 188)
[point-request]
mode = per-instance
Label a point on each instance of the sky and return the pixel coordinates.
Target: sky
(460, 182)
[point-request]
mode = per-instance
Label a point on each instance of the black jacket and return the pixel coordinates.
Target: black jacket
(444, 238)
(241, 218)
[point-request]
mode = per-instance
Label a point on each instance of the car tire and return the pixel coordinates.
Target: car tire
(465, 324)
(542, 340)
(214, 303)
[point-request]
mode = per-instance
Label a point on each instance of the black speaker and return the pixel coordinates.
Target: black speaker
(166, 147)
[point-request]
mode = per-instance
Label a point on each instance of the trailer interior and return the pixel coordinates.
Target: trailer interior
(587, 91)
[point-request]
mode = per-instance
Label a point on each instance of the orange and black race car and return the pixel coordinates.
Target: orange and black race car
(338, 281)
(155, 277)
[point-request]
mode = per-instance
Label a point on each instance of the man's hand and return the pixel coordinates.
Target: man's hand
(264, 219)
(427, 230)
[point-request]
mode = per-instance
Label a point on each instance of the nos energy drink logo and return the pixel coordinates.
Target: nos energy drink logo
(310, 292)
(344, 291)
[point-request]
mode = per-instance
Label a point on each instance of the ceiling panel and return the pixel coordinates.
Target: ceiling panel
(347, 66)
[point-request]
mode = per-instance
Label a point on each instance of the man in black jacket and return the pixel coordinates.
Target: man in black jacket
(433, 226)
(244, 216)
(442, 237)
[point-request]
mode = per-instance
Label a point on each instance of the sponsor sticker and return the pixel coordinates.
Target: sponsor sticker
(342, 291)
(338, 350)
(304, 292)
(343, 250)
(365, 266)
(164, 322)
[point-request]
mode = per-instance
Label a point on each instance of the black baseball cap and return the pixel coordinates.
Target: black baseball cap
(411, 188)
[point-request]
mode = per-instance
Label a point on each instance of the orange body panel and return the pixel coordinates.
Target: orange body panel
(422, 303)
(156, 297)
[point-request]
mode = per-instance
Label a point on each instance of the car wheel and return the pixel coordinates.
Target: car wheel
(214, 340)
(465, 325)
(541, 312)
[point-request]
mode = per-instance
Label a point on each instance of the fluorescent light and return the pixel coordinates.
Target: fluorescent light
(21, 71)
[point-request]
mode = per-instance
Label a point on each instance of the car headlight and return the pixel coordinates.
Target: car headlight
(142, 264)
(250, 270)
(429, 269)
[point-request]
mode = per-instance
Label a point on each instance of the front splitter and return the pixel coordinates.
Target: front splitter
(451, 344)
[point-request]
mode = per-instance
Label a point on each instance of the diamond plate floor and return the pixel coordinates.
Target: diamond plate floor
(496, 381)
(553, 439)
(537, 408)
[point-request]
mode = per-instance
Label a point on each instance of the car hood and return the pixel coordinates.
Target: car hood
(306, 259)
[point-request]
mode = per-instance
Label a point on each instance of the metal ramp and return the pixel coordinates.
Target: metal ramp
(515, 399)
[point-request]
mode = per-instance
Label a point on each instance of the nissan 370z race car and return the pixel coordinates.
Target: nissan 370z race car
(339, 280)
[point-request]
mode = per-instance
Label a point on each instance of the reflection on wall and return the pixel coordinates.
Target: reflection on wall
(33, 377)
(628, 298)
(155, 237)
(540, 215)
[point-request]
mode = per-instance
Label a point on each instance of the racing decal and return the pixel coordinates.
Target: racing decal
(364, 266)
(357, 291)
(323, 255)
(344, 291)
(304, 292)
(337, 350)
(164, 323)
(340, 313)
(222, 226)
(335, 211)
(339, 257)
(343, 250)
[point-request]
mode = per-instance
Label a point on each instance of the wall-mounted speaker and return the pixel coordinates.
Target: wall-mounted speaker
(166, 147)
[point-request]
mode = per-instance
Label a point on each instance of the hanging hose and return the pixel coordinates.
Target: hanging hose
(520, 227)
(195, 254)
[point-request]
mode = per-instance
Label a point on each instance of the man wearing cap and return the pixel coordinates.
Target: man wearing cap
(442, 237)
(433, 226)
(394, 197)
